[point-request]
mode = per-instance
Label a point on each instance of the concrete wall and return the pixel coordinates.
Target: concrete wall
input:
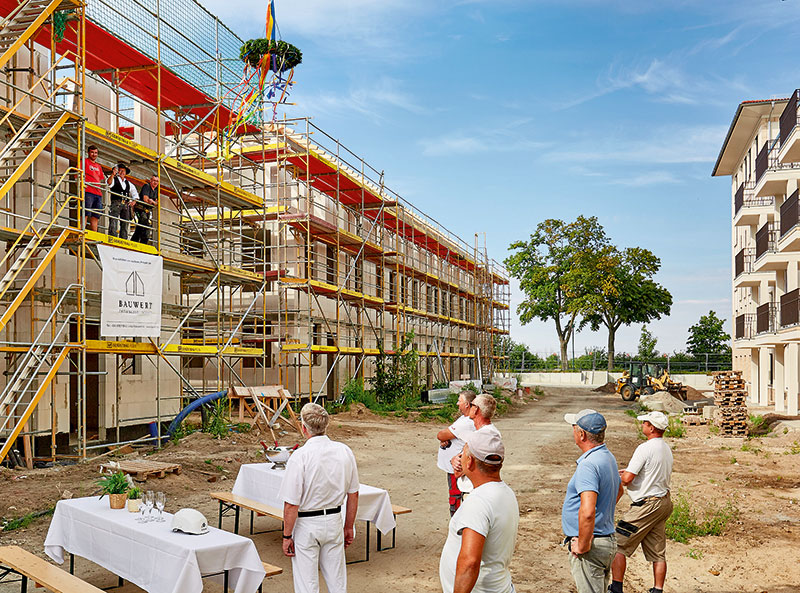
(596, 378)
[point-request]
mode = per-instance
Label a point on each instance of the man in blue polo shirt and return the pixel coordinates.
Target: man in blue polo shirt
(587, 517)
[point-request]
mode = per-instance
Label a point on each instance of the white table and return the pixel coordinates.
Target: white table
(150, 555)
(259, 482)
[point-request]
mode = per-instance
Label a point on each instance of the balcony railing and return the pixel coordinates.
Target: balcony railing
(743, 261)
(767, 318)
(766, 239)
(790, 308)
(790, 213)
(762, 161)
(767, 160)
(788, 119)
(738, 200)
(744, 326)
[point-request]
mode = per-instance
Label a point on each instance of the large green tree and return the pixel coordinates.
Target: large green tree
(647, 345)
(708, 336)
(551, 268)
(623, 292)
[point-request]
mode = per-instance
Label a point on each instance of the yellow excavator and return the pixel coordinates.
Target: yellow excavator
(642, 378)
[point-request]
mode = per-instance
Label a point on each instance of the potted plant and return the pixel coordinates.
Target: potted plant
(134, 499)
(283, 56)
(116, 486)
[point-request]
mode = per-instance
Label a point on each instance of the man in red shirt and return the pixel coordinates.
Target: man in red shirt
(93, 194)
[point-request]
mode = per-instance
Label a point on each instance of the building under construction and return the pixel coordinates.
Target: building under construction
(286, 259)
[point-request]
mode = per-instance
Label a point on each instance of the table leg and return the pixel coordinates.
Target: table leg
(120, 581)
(367, 541)
(225, 578)
(219, 522)
(72, 564)
(236, 526)
(251, 522)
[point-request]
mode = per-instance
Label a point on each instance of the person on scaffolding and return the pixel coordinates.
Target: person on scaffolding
(123, 193)
(143, 210)
(93, 188)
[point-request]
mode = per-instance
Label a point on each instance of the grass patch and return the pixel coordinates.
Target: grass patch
(25, 520)
(403, 407)
(794, 449)
(686, 522)
(676, 429)
(695, 554)
(713, 429)
(750, 448)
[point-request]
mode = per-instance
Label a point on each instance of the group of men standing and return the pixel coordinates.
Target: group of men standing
(320, 493)
(125, 201)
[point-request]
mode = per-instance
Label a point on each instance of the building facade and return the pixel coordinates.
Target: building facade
(761, 154)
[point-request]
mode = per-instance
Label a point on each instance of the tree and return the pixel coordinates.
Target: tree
(623, 291)
(708, 336)
(647, 345)
(549, 269)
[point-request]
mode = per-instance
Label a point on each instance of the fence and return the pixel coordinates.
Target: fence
(675, 363)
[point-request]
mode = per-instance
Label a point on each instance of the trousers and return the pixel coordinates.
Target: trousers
(592, 570)
(319, 547)
(118, 216)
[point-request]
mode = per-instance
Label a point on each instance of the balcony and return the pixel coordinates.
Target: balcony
(748, 208)
(790, 308)
(767, 318)
(772, 175)
(766, 239)
(790, 148)
(744, 326)
(743, 261)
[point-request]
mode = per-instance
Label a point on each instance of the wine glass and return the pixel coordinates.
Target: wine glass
(161, 500)
(142, 518)
(148, 503)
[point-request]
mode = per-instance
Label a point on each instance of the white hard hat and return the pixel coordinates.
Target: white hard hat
(189, 521)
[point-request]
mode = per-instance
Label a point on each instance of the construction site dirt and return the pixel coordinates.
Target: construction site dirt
(760, 477)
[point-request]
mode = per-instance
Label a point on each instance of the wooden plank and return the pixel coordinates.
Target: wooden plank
(42, 572)
(143, 469)
(271, 569)
(249, 504)
(398, 510)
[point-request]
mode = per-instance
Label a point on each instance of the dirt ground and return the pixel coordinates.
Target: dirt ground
(756, 554)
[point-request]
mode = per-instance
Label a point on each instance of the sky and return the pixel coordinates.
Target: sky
(493, 115)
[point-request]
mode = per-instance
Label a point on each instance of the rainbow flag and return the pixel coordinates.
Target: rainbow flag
(271, 33)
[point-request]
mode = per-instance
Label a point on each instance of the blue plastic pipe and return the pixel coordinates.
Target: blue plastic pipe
(192, 407)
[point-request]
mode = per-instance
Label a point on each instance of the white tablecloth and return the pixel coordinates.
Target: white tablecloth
(150, 555)
(259, 482)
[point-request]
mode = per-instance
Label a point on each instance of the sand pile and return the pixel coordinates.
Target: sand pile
(609, 387)
(693, 394)
(663, 401)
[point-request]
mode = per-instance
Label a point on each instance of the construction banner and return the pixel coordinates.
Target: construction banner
(131, 301)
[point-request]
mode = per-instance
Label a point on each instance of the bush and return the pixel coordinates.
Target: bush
(685, 523)
(397, 375)
(216, 421)
(676, 429)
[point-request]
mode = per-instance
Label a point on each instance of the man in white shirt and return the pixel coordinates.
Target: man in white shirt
(647, 478)
(481, 413)
(451, 442)
(320, 477)
(482, 533)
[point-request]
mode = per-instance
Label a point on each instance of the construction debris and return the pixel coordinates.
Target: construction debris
(141, 469)
(662, 401)
(730, 395)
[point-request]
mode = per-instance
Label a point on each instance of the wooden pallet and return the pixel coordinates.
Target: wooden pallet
(141, 469)
(726, 373)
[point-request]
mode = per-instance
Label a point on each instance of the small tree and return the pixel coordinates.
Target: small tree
(647, 345)
(397, 374)
(708, 336)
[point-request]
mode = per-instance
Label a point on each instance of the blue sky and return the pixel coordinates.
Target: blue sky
(493, 115)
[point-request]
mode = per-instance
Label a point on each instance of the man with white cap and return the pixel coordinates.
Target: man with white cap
(647, 478)
(321, 476)
(587, 517)
(451, 442)
(483, 531)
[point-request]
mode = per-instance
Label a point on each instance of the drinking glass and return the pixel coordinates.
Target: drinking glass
(142, 518)
(148, 503)
(161, 500)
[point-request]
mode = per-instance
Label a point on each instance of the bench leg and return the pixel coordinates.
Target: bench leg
(251, 522)
(236, 524)
(219, 522)
(72, 564)
(366, 558)
(225, 579)
(394, 534)
(23, 588)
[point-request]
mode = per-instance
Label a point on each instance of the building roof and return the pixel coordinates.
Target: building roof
(747, 117)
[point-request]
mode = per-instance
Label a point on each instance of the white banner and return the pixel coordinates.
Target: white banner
(131, 301)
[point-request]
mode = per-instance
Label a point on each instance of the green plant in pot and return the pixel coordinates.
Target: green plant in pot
(134, 499)
(283, 56)
(116, 485)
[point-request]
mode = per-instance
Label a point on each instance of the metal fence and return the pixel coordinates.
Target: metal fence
(598, 361)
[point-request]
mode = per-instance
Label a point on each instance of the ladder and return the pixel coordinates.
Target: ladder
(24, 389)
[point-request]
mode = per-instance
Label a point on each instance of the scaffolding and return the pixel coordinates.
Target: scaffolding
(287, 258)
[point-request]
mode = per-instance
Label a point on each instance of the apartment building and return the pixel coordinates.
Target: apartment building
(761, 153)
(287, 259)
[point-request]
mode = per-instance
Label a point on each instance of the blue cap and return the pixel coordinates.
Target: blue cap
(588, 420)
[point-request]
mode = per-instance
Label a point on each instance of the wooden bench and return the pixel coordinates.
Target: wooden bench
(270, 570)
(396, 510)
(229, 502)
(14, 559)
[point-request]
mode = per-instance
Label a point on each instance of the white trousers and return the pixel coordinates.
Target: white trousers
(319, 547)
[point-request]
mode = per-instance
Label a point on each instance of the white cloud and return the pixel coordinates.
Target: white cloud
(644, 179)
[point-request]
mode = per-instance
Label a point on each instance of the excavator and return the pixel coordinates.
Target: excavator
(641, 378)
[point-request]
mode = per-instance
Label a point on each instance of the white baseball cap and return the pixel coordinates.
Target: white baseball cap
(486, 446)
(657, 419)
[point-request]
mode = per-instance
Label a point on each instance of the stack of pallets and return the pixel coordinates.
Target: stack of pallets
(730, 394)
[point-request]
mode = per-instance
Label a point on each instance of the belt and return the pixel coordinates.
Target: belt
(640, 503)
(569, 537)
(332, 511)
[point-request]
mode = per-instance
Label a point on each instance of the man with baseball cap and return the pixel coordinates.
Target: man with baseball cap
(587, 517)
(483, 531)
(647, 478)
